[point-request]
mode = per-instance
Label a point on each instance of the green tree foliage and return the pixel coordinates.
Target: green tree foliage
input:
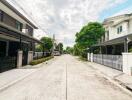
(76, 51)
(60, 47)
(38, 48)
(69, 50)
(47, 43)
(87, 37)
(89, 34)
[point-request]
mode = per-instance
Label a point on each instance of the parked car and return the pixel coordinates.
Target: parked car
(57, 53)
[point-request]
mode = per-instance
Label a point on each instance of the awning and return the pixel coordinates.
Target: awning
(12, 32)
(115, 41)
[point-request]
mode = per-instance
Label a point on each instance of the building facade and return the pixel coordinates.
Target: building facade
(118, 35)
(16, 33)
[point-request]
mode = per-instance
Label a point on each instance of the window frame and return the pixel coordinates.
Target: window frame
(119, 29)
(18, 25)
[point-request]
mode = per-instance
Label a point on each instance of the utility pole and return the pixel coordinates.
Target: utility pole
(53, 44)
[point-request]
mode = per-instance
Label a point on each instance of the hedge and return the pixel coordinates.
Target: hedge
(38, 61)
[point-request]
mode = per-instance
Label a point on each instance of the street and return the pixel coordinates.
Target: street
(66, 78)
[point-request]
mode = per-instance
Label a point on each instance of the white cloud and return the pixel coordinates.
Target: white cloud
(64, 17)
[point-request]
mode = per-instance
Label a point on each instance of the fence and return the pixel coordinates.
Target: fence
(7, 63)
(113, 61)
(38, 55)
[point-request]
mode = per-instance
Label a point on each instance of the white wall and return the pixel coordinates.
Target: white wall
(113, 30)
(130, 26)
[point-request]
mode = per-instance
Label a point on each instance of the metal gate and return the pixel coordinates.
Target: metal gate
(113, 61)
(7, 63)
(24, 58)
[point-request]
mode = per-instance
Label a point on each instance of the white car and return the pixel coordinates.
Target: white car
(57, 53)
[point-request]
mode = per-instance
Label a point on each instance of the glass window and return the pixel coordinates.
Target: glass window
(120, 28)
(18, 26)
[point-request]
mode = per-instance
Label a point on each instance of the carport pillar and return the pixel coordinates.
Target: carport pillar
(100, 50)
(19, 59)
(30, 56)
(88, 56)
(106, 51)
(91, 57)
(127, 63)
(43, 51)
(126, 41)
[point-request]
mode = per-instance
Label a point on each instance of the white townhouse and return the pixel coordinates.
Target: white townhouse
(118, 35)
(114, 48)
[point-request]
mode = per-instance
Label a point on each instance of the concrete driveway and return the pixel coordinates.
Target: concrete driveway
(65, 79)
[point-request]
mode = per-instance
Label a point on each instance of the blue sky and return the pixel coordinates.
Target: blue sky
(120, 8)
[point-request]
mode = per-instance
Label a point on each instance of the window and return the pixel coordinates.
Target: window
(1, 15)
(18, 26)
(119, 29)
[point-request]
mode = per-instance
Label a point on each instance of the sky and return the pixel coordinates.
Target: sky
(66, 17)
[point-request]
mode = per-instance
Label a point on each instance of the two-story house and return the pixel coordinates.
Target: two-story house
(16, 33)
(118, 35)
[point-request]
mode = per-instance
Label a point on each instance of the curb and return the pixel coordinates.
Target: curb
(119, 85)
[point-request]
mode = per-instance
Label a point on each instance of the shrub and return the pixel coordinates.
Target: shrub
(38, 61)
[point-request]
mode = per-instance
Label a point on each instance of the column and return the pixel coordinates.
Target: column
(106, 49)
(19, 59)
(100, 50)
(91, 57)
(127, 63)
(88, 56)
(126, 45)
(30, 56)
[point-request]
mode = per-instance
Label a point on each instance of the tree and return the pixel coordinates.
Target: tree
(60, 47)
(76, 50)
(47, 43)
(88, 36)
(69, 50)
(38, 48)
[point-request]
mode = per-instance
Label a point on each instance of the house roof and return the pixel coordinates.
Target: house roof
(110, 20)
(18, 13)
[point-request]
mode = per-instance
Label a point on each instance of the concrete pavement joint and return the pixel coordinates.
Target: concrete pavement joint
(66, 82)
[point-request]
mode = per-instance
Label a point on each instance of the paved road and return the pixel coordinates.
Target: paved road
(64, 79)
